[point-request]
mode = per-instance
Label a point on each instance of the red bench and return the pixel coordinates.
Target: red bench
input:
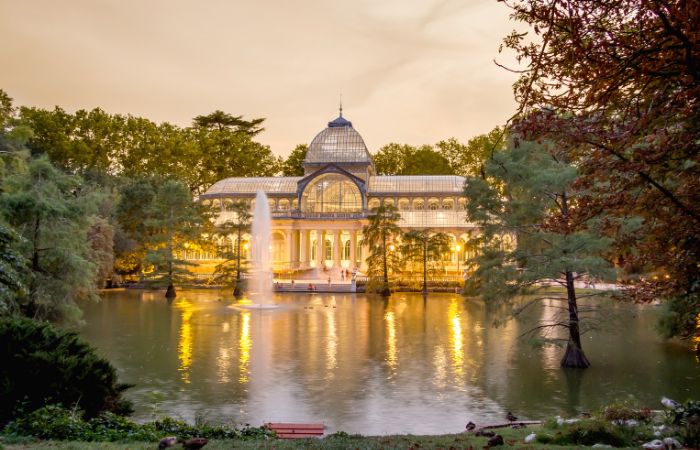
(286, 430)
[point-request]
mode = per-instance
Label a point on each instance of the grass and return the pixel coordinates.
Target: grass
(513, 439)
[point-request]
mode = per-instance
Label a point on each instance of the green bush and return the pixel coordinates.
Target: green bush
(591, 432)
(58, 423)
(686, 419)
(42, 365)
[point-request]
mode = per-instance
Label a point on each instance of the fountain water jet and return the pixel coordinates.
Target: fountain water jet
(260, 278)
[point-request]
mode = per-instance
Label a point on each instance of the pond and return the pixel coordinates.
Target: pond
(366, 365)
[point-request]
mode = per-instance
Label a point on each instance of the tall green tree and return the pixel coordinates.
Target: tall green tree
(468, 159)
(13, 269)
(292, 166)
(539, 208)
(423, 246)
(176, 219)
(617, 82)
(52, 212)
(229, 272)
(402, 159)
(379, 234)
(133, 212)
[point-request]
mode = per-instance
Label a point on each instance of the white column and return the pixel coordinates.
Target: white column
(303, 246)
(289, 237)
(336, 248)
(353, 243)
(320, 248)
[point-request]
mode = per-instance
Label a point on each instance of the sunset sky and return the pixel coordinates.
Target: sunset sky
(410, 71)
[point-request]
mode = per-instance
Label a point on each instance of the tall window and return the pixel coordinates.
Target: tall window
(329, 249)
(331, 193)
(346, 250)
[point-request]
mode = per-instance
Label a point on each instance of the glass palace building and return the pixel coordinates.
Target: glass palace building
(317, 218)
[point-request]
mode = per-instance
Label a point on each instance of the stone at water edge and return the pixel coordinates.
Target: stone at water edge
(494, 441)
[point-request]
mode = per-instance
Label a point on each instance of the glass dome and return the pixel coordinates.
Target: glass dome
(339, 143)
(330, 193)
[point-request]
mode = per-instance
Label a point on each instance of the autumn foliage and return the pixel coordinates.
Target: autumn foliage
(615, 83)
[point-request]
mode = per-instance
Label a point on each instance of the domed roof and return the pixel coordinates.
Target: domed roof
(339, 143)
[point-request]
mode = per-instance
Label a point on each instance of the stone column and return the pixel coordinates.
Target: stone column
(303, 247)
(320, 248)
(289, 237)
(336, 248)
(353, 254)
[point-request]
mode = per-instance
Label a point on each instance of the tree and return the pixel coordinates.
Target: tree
(132, 213)
(175, 219)
(52, 212)
(469, 159)
(43, 365)
(553, 237)
(422, 246)
(378, 235)
(401, 159)
(13, 266)
(292, 166)
(221, 121)
(100, 237)
(617, 82)
(237, 226)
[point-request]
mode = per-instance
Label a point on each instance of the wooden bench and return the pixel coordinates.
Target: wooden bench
(285, 430)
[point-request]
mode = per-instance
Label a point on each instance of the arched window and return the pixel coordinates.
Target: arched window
(313, 250)
(433, 204)
(418, 204)
(373, 203)
(271, 202)
(283, 204)
(404, 204)
(462, 204)
(346, 250)
(331, 192)
(295, 204)
(448, 204)
(389, 201)
(227, 204)
(329, 249)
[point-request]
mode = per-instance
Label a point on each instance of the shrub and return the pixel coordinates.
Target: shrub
(56, 422)
(687, 419)
(43, 365)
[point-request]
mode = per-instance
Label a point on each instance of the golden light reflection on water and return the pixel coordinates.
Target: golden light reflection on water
(331, 341)
(244, 344)
(223, 360)
(457, 338)
(391, 353)
(184, 345)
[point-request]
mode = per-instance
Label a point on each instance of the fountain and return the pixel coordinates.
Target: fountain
(260, 275)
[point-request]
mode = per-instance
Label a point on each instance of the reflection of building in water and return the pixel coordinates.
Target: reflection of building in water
(317, 218)
(184, 346)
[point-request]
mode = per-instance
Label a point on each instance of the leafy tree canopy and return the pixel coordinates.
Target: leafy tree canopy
(292, 165)
(617, 82)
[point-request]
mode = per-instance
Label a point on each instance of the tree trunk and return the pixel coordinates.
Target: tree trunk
(574, 356)
(425, 269)
(237, 291)
(385, 287)
(170, 293)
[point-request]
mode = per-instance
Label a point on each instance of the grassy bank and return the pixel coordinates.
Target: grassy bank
(513, 439)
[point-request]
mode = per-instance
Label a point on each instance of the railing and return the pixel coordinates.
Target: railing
(296, 214)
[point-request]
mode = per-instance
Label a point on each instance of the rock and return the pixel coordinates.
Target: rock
(167, 442)
(656, 444)
(670, 443)
(530, 438)
(195, 443)
(484, 433)
(602, 446)
(495, 440)
(670, 404)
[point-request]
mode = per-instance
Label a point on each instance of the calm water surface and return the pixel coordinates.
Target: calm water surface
(367, 365)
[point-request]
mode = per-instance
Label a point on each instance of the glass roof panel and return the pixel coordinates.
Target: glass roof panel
(240, 185)
(337, 144)
(415, 184)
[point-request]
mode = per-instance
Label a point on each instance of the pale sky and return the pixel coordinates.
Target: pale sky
(410, 71)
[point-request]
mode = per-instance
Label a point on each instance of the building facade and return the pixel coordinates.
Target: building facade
(317, 218)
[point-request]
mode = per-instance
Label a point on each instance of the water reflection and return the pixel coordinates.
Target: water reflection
(244, 345)
(363, 364)
(184, 347)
